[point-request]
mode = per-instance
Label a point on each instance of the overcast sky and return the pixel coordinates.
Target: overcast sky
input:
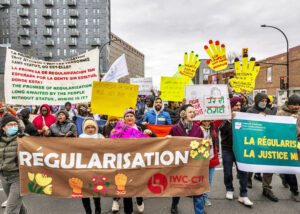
(164, 29)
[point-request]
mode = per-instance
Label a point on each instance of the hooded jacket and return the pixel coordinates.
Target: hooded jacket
(255, 109)
(144, 109)
(285, 111)
(158, 117)
(49, 118)
(30, 129)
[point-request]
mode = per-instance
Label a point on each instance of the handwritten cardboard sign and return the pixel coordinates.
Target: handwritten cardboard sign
(124, 131)
(190, 65)
(111, 98)
(211, 102)
(145, 85)
(217, 55)
(172, 88)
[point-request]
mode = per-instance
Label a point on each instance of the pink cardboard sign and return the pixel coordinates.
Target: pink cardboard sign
(124, 131)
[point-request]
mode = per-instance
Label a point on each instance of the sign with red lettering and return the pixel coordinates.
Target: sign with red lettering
(211, 102)
(35, 82)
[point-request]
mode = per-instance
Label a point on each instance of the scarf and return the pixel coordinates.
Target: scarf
(187, 126)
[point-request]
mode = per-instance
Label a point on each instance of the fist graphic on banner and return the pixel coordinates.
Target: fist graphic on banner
(245, 77)
(121, 180)
(190, 65)
(76, 184)
(217, 55)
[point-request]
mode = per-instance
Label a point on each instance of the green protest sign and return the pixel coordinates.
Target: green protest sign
(265, 143)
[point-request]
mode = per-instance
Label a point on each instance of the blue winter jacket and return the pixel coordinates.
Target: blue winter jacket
(158, 118)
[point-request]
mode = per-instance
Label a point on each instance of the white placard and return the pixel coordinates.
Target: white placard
(35, 82)
(211, 102)
(145, 85)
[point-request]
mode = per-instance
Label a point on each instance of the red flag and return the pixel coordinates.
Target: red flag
(160, 130)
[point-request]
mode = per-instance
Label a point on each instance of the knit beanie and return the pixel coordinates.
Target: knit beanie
(294, 100)
(89, 122)
(234, 101)
(130, 110)
(6, 119)
(64, 112)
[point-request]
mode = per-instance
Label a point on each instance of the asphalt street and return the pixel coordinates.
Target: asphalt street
(37, 204)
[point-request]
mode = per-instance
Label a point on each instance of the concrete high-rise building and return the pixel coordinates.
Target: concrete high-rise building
(55, 29)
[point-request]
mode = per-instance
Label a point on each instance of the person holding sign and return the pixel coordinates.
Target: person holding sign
(157, 116)
(186, 127)
(44, 120)
(90, 130)
(291, 108)
(229, 157)
(9, 172)
(130, 120)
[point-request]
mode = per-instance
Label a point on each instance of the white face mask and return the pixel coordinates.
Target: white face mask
(262, 105)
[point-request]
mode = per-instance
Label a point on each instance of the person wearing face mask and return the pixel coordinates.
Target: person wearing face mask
(44, 120)
(291, 109)
(9, 170)
(186, 127)
(63, 127)
(260, 107)
(209, 132)
(157, 116)
(229, 157)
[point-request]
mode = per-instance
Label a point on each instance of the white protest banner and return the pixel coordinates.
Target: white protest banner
(145, 85)
(35, 82)
(117, 70)
(211, 102)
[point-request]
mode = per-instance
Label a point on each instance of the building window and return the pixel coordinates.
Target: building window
(86, 21)
(86, 31)
(64, 21)
(57, 31)
(65, 40)
(65, 30)
(58, 52)
(58, 41)
(35, 21)
(57, 12)
(86, 12)
(64, 1)
(57, 21)
(269, 74)
(35, 12)
(94, 21)
(64, 12)
(65, 52)
(86, 41)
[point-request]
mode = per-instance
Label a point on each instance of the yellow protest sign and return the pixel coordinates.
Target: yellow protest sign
(172, 88)
(217, 55)
(245, 76)
(111, 98)
(190, 65)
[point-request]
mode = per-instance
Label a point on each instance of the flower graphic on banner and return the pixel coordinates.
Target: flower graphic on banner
(200, 150)
(40, 183)
(99, 185)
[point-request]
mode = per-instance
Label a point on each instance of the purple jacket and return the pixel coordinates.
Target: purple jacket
(195, 131)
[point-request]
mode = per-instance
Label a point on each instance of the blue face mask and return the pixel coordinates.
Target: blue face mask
(12, 130)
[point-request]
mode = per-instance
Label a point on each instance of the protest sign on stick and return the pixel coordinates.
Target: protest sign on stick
(245, 76)
(266, 144)
(172, 88)
(145, 85)
(111, 98)
(211, 102)
(189, 66)
(217, 55)
(35, 82)
(127, 167)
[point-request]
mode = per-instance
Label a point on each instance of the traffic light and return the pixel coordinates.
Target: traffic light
(282, 84)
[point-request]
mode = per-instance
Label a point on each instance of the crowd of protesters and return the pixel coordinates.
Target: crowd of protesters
(60, 121)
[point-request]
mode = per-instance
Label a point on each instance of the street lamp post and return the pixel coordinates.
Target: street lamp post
(287, 57)
(101, 48)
